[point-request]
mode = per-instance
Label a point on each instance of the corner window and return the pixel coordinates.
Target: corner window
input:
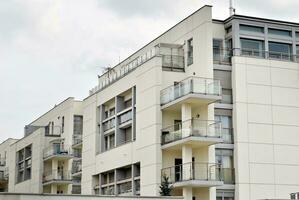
(249, 28)
(280, 50)
(279, 32)
(190, 52)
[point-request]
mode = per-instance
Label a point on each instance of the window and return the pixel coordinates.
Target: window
(128, 103)
(190, 52)
(78, 125)
(225, 195)
(280, 51)
(249, 28)
(24, 157)
(226, 125)
(112, 111)
(109, 142)
(224, 157)
(62, 125)
(297, 35)
(279, 32)
(252, 48)
(297, 50)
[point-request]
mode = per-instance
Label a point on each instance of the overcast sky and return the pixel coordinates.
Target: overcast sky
(53, 49)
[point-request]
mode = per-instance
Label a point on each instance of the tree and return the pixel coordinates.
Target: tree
(165, 187)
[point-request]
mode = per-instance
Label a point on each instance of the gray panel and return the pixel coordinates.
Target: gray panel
(223, 112)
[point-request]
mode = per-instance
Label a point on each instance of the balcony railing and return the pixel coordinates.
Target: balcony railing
(124, 188)
(57, 175)
(76, 166)
(109, 190)
(193, 171)
(191, 85)
(57, 150)
(193, 127)
(257, 53)
(77, 139)
(222, 56)
(173, 63)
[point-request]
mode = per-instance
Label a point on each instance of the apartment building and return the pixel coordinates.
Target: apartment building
(47, 159)
(210, 104)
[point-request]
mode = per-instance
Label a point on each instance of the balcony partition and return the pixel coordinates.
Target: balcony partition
(189, 128)
(191, 85)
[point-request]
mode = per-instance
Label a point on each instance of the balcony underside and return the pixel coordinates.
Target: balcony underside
(77, 174)
(197, 183)
(58, 157)
(193, 98)
(77, 146)
(57, 182)
(193, 141)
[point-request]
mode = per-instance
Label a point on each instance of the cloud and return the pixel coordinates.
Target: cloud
(50, 50)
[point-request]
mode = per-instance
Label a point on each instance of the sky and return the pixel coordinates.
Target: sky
(54, 49)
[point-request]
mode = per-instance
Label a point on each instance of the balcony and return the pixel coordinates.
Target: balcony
(194, 175)
(77, 168)
(57, 177)
(57, 151)
(125, 119)
(108, 126)
(77, 141)
(271, 55)
(194, 132)
(228, 175)
(173, 63)
(193, 90)
(222, 56)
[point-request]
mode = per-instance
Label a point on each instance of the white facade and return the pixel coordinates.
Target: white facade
(212, 105)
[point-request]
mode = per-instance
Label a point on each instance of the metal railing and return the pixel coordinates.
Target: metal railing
(193, 171)
(222, 56)
(266, 54)
(76, 166)
(195, 85)
(57, 175)
(192, 127)
(77, 139)
(173, 62)
(57, 149)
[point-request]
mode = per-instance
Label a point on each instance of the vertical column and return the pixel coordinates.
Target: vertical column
(186, 119)
(187, 193)
(236, 38)
(100, 136)
(115, 182)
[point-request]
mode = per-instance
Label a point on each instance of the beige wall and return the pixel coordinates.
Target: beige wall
(266, 101)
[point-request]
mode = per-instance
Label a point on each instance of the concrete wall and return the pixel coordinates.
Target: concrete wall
(266, 123)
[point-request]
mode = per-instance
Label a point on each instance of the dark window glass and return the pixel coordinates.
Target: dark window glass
(280, 50)
(78, 125)
(190, 52)
(297, 35)
(249, 28)
(279, 32)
